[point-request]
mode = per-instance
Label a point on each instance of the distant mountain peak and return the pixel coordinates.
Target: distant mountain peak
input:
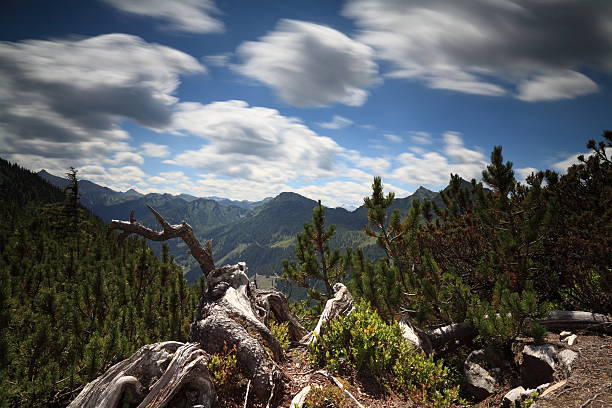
(133, 192)
(289, 195)
(423, 190)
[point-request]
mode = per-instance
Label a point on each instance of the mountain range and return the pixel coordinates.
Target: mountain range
(260, 233)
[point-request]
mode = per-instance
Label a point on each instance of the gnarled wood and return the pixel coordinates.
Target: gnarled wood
(226, 318)
(300, 398)
(231, 312)
(203, 255)
(415, 336)
(577, 320)
(135, 379)
(340, 304)
(274, 303)
(186, 381)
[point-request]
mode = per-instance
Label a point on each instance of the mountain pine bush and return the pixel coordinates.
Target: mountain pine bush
(73, 299)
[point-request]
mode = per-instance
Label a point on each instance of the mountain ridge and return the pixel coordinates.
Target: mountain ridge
(261, 235)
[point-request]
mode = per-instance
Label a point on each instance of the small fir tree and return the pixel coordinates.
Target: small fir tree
(317, 264)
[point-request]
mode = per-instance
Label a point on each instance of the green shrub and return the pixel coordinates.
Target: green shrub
(228, 380)
(281, 332)
(330, 396)
(363, 342)
(509, 315)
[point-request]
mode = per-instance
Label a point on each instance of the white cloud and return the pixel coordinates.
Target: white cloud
(175, 177)
(309, 64)
(117, 178)
(368, 127)
(455, 149)
(488, 47)
(91, 171)
(335, 193)
(182, 15)
(253, 143)
(354, 159)
(433, 168)
(218, 60)
(337, 122)
(562, 165)
(524, 172)
(417, 150)
(420, 137)
(554, 86)
(393, 138)
(348, 194)
(62, 101)
(155, 150)
(126, 158)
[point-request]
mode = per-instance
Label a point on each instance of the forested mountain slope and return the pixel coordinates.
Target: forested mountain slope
(74, 299)
(259, 233)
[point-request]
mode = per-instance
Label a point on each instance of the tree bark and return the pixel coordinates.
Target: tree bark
(275, 304)
(168, 374)
(231, 311)
(340, 304)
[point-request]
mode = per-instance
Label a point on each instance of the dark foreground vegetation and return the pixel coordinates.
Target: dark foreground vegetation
(75, 299)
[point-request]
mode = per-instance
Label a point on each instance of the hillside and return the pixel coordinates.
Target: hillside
(74, 301)
(260, 233)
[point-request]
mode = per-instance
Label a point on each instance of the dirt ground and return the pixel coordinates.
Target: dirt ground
(589, 385)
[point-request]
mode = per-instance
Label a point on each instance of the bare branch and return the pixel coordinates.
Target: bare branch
(202, 254)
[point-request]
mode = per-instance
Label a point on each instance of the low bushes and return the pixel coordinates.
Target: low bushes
(363, 343)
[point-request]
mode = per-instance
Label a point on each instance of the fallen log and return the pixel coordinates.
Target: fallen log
(556, 320)
(232, 312)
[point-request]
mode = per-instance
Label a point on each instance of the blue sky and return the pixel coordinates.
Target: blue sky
(245, 99)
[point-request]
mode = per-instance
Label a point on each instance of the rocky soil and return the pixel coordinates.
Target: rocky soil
(589, 384)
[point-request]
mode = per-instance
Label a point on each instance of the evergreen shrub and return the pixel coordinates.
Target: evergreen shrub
(363, 342)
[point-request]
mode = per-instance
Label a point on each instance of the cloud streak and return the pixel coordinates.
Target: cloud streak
(194, 16)
(310, 65)
(337, 122)
(528, 49)
(56, 103)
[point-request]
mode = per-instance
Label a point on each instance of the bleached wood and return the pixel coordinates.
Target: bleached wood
(341, 304)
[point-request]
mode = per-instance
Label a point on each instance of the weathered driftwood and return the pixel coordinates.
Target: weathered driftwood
(231, 312)
(300, 398)
(341, 304)
(185, 383)
(202, 254)
(226, 317)
(415, 336)
(274, 304)
(157, 375)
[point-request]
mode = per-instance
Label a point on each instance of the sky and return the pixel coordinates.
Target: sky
(247, 99)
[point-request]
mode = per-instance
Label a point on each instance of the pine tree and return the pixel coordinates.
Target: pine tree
(67, 315)
(317, 264)
(387, 282)
(72, 208)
